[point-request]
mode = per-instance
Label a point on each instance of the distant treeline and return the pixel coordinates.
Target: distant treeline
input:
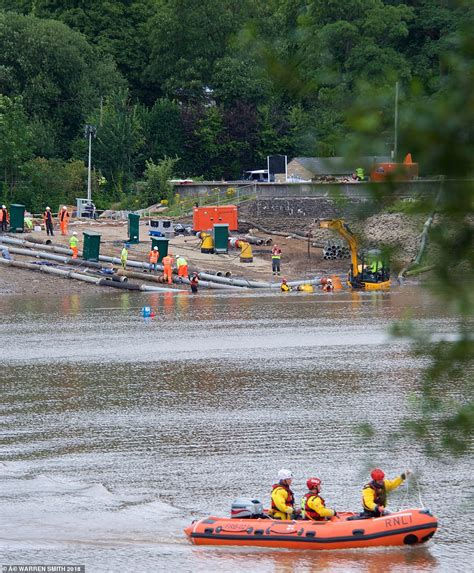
(205, 88)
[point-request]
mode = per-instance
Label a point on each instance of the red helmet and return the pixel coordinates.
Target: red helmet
(377, 474)
(313, 483)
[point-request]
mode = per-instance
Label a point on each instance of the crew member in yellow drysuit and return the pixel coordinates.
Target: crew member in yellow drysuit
(282, 497)
(374, 494)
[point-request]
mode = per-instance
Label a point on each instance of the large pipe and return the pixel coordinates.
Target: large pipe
(154, 278)
(246, 255)
(50, 271)
(149, 288)
(232, 281)
(253, 240)
(124, 286)
(52, 257)
(33, 244)
(255, 284)
(135, 264)
(137, 275)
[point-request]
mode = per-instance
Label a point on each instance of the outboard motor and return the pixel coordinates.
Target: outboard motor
(246, 508)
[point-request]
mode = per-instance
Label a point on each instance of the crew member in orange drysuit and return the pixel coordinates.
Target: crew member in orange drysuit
(63, 220)
(168, 268)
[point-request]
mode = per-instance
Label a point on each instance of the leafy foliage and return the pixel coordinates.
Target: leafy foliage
(157, 180)
(15, 140)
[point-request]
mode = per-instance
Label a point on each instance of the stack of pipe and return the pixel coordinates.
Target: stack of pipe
(333, 250)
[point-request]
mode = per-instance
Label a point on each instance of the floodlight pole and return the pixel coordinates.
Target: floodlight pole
(89, 131)
(395, 139)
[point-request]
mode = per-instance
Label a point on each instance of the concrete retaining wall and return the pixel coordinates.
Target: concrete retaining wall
(355, 190)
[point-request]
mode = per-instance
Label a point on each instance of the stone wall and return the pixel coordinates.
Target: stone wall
(297, 214)
(351, 190)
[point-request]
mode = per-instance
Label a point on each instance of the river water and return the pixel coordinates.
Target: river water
(117, 431)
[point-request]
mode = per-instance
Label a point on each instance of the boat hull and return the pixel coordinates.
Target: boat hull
(408, 527)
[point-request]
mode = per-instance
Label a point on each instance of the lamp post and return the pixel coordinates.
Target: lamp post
(90, 131)
(395, 138)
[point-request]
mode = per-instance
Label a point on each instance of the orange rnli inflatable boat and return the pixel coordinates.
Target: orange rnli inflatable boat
(344, 531)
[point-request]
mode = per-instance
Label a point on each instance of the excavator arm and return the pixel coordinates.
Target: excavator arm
(341, 227)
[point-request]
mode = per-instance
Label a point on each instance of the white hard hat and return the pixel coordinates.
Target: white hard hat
(329, 281)
(155, 248)
(74, 233)
(177, 256)
(285, 474)
(3, 207)
(48, 208)
(64, 207)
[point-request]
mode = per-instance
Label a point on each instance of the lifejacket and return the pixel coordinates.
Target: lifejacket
(309, 512)
(380, 497)
(290, 500)
(284, 287)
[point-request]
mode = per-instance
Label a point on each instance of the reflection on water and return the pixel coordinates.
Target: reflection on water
(117, 431)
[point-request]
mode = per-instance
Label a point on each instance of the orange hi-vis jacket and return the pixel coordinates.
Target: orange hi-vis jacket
(153, 256)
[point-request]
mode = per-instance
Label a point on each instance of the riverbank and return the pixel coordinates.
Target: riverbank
(301, 257)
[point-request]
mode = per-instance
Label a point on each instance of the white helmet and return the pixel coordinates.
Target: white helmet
(64, 207)
(155, 248)
(48, 208)
(177, 256)
(74, 233)
(3, 207)
(285, 474)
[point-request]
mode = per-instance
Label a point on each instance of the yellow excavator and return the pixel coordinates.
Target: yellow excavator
(368, 271)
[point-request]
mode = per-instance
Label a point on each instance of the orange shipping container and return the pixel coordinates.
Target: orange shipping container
(204, 218)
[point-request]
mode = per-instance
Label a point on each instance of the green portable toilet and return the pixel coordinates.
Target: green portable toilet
(91, 249)
(133, 228)
(162, 244)
(221, 238)
(17, 218)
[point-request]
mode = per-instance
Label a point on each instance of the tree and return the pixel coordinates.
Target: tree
(158, 177)
(187, 39)
(116, 27)
(50, 182)
(15, 140)
(57, 73)
(162, 128)
(119, 140)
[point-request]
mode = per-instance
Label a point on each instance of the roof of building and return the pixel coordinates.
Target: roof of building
(337, 165)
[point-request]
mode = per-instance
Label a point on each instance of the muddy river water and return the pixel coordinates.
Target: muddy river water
(116, 431)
